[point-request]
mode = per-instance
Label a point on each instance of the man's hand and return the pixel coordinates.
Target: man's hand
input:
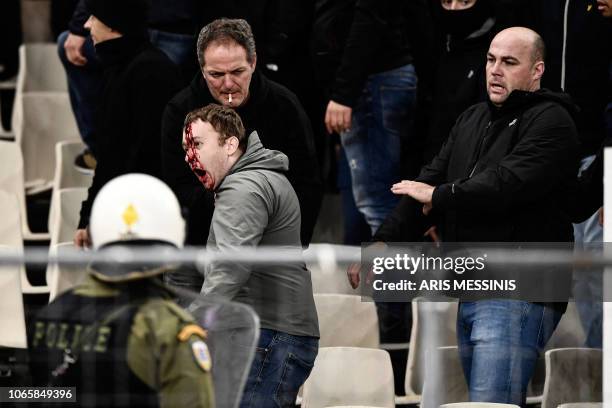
(81, 238)
(419, 191)
(337, 117)
(354, 270)
(74, 49)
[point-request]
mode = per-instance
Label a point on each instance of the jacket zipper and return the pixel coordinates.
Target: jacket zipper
(479, 149)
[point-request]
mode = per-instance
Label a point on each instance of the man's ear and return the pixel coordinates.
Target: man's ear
(231, 144)
(254, 63)
(538, 70)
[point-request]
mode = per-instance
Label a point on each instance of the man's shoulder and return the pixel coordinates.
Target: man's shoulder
(189, 98)
(152, 60)
(278, 94)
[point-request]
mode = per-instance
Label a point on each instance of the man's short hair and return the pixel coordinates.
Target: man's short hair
(224, 120)
(539, 49)
(225, 30)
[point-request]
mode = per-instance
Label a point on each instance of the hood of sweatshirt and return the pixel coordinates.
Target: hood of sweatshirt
(257, 157)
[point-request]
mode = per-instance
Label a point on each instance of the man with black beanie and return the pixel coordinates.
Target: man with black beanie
(139, 80)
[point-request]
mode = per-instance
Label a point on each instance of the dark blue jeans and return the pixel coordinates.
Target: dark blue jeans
(499, 343)
(382, 118)
(281, 365)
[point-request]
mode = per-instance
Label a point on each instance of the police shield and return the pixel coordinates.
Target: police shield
(233, 331)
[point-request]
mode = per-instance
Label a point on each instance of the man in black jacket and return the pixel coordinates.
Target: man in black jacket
(139, 79)
(501, 177)
(226, 53)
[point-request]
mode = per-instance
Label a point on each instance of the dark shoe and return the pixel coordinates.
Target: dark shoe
(85, 162)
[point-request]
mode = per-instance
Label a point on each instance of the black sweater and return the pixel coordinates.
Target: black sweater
(277, 116)
(355, 38)
(139, 80)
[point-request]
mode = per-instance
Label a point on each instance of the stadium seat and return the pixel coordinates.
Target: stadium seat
(572, 375)
(63, 277)
(10, 229)
(433, 325)
(444, 379)
(346, 321)
(12, 319)
(345, 376)
(47, 119)
(40, 69)
(478, 405)
(66, 214)
(11, 180)
(66, 176)
(582, 405)
(329, 276)
(569, 333)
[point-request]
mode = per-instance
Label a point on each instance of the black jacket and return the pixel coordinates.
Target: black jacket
(502, 176)
(460, 82)
(577, 62)
(139, 80)
(277, 116)
(355, 38)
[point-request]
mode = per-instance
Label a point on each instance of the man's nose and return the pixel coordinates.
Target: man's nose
(227, 81)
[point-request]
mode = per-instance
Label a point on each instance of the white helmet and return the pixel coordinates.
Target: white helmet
(136, 207)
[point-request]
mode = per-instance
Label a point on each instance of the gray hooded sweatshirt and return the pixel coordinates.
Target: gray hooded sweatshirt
(256, 206)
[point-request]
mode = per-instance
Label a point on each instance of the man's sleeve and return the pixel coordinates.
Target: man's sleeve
(364, 39)
(542, 160)
(406, 223)
(79, 17)
(169, 354)
(239, 221)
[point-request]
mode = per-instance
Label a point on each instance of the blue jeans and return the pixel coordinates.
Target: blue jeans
(588, 283)
(180, 48)
(499, 343)
(382, 118)
(84, 87)
(281, 365)
(356, 230)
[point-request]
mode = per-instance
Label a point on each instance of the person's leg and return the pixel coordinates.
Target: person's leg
(588, 283)
(506, 337)
(356, 230)
(84, 87)
(381, 118)
(180, 48)
(281, 365)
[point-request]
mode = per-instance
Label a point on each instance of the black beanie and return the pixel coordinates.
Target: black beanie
(125, 16)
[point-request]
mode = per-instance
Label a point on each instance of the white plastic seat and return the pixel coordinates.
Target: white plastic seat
(47, 119)
(568, 333)
(11, 180)
(66, 210)
(478, 405)
(346, 321)
(444, 379)
(66, 175)
(350, 376)
(582, 405)
(433, 325)
(12, 318)
(572, 375)
(10, 236)
(328, 275)
(40, 69)
(62, 277)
